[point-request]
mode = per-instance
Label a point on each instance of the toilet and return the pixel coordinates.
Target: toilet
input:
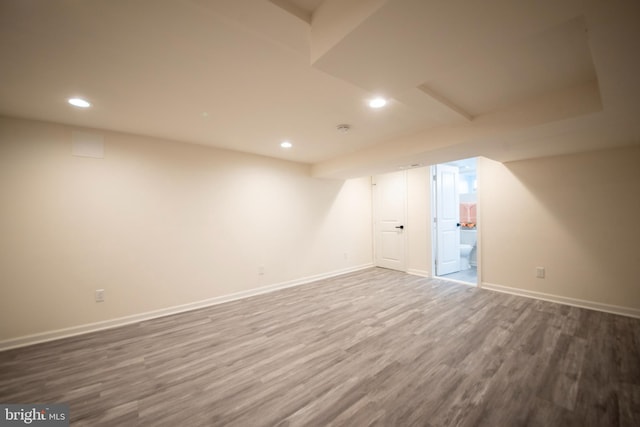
(467, 249)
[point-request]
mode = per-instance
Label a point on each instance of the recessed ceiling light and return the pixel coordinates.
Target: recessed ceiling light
(79, 102)
(377, 102)
(286, 144)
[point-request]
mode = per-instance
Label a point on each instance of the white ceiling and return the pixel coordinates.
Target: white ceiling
(503, 79)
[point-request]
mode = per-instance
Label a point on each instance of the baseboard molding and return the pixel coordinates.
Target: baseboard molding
(416, 272)
(127, 320)
(607, 308)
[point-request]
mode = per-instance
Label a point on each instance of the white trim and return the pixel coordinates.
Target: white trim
(592, 305)
(421, 273)
(405, 220)
(432, 216)
(126, 320)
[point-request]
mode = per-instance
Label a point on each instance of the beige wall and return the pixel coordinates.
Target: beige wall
(576, 215)
(418, 221)
(158, 224)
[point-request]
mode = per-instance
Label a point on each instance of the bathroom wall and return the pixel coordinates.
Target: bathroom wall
(158, 224)
(468, 195)
(574, 215)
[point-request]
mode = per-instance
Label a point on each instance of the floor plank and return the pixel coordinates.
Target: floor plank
(375, 347)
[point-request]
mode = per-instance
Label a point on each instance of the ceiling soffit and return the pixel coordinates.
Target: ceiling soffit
(461, 77)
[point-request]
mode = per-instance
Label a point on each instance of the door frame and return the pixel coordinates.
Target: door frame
(432, 223)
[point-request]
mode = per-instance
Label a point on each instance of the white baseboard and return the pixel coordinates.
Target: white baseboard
(607, 308)
(122, 321)
(416, 272)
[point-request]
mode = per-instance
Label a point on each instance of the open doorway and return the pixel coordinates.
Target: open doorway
(455, 220)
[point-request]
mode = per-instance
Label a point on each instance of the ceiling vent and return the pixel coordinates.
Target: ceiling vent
(343, 128)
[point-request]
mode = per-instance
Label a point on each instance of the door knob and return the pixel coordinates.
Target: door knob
(458, 225)
(401, 227)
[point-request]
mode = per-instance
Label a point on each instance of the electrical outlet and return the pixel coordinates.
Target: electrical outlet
(261, 270)
(540, 272)
(99, 295)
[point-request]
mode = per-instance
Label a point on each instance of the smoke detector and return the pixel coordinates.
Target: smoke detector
(343, 128)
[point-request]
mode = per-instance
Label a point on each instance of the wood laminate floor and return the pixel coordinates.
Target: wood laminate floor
(376, 347)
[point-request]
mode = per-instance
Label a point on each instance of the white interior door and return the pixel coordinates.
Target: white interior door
(447, 220)
(390, 207)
